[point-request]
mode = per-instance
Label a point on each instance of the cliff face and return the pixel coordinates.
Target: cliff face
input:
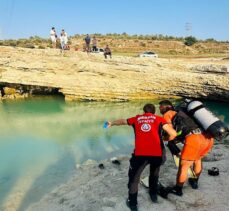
(79, 76)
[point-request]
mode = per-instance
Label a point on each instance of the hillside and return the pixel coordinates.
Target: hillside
(165, 48)
(78, 76)
(133, 45)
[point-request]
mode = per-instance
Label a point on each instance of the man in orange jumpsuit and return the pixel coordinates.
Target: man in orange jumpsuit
(196, 145)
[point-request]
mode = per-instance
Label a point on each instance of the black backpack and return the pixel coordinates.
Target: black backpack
(183, 124)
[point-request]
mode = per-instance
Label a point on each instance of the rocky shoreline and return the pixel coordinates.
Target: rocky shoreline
(94, 188)
(78, 76)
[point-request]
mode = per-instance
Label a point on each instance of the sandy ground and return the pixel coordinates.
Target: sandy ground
(105, 189)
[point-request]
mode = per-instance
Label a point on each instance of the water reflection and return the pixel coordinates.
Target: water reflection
(42, 140)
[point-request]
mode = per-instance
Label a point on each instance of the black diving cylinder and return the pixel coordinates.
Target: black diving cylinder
(207, 120)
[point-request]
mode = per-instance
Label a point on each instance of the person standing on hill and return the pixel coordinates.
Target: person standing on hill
(87, 42)
(94, 44)
(148, 150)
(63, 40)
(66, 36)
(107, 51)
(53, 37)
(196, 145)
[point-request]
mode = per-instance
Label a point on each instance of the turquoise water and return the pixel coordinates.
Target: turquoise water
(43, 139)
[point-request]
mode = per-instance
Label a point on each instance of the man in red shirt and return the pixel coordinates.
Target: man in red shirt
(148, 150)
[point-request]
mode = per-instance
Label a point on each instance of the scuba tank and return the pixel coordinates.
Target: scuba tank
(211, 124)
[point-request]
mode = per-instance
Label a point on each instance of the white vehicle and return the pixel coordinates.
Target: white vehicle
(148, 54)
(98, 50)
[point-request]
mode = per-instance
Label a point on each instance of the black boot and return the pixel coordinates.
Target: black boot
(162, 191)
(193, 182)
(153, 197)
(131, 202)
(177, 190)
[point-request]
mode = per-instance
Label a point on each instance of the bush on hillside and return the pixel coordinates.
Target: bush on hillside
(142, 44)
(189, 41)
(153, 37)
(12, 43)
(210, 40)
(49, 45)
(172, 52)
(21, 42)
(69, 41)
(29, 45)
(41, 47)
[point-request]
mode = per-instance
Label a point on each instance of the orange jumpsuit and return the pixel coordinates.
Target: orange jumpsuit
(195, 147)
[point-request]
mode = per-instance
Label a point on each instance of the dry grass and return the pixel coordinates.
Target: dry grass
(126, 45)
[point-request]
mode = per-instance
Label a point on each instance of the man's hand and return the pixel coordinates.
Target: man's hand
(109, 124)
(117, 122)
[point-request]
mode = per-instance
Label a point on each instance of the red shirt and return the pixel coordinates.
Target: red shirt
(146, 129)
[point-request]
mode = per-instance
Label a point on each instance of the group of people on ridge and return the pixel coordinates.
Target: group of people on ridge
(63, 39)
(149, 149)
(64, 42)
(107, 50)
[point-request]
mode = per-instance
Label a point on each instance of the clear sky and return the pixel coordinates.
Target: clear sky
(200, 18)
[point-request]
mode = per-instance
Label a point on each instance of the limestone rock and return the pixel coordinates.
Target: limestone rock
(211, 68)
(79, 76)
(9, 91)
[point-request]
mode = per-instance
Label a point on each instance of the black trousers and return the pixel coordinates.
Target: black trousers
(106, 54)
(137, 165)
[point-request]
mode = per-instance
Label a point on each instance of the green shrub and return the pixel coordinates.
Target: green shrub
(37, 41)
(153, 37)
(210, 40)
(49, 45)
(172, 52)
(12, 43)
(190, 40)
(21, 42)
(142, 44)
(29, 45)
(69, 42)
(41, 47)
